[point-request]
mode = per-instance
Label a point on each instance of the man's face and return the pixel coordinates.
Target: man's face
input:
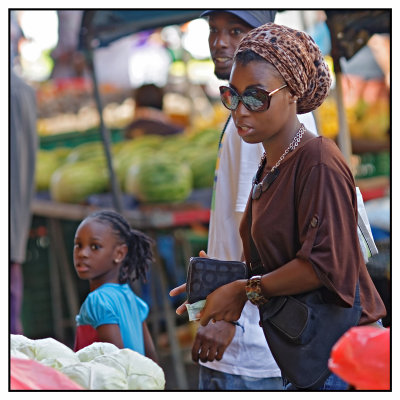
(226, 31)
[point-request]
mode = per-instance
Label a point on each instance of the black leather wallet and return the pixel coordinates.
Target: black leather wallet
(207, 274)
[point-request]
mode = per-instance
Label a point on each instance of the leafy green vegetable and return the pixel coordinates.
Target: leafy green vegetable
(140, 372)
(96, 349)
(94, 376)
(47, 351)
(22, 344)
(100, 366)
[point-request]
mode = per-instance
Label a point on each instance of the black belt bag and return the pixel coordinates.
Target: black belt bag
(301, 331)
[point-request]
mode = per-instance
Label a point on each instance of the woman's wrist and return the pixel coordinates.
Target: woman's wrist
(241, 287)
(254, 291)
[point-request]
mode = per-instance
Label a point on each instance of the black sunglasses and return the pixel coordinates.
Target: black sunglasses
(254, 99)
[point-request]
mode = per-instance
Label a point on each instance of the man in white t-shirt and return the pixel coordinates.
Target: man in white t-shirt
(234, 357)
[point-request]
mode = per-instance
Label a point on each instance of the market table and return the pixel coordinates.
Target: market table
(148, 219)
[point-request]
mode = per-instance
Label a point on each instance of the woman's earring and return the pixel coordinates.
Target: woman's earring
(116, 261)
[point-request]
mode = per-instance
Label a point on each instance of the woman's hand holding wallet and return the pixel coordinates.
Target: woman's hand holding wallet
(225, 303)
(182, 289)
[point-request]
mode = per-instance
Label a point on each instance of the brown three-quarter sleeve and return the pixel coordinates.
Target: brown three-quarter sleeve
(328, 229)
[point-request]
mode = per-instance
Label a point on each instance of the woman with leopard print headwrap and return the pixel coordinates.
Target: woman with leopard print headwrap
(303, 203)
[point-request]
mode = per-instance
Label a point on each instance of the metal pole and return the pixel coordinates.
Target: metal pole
(344, 140)
(64, 272)
(170, 319)
(105, 134)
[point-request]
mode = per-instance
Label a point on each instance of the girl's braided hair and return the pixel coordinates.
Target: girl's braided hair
(139, 256)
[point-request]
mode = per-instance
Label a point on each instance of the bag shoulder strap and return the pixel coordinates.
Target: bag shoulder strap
(255, 264)
(223, 130)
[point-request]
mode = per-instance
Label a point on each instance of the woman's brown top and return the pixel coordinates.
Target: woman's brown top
(310, 212)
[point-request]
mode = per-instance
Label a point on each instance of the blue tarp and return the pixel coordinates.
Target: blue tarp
(101, 27)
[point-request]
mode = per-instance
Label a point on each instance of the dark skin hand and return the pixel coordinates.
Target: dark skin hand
(212, 340)
(225, 303)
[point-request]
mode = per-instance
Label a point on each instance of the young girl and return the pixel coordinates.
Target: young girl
(111, 256)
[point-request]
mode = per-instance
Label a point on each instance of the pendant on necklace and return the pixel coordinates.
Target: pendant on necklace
(261, 187)
(256, 191)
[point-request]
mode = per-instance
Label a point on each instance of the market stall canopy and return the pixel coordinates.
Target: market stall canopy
(351, 29)
(101, 27)
(350, 32)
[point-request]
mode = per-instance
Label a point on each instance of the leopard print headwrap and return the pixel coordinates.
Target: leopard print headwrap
(298, 59)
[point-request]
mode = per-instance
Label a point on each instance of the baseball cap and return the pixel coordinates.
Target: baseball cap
(254, 18)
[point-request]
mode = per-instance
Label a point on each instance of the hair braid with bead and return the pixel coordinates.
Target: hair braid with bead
(139, 256)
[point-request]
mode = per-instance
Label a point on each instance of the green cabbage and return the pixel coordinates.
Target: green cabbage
(141, 372)
(96, 349)
(23, 345)
(94, 376)
(47, 351)
(18, 354)
(50, 348)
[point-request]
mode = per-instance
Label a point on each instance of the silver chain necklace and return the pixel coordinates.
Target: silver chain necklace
(259, 188)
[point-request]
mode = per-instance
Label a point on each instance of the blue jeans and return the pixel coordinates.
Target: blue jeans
(333, 382)
(210, 379)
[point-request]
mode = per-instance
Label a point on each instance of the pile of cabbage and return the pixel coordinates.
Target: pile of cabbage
(100, 366)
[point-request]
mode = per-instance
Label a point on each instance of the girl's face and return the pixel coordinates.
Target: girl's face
(97, 253)
(259, 127)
